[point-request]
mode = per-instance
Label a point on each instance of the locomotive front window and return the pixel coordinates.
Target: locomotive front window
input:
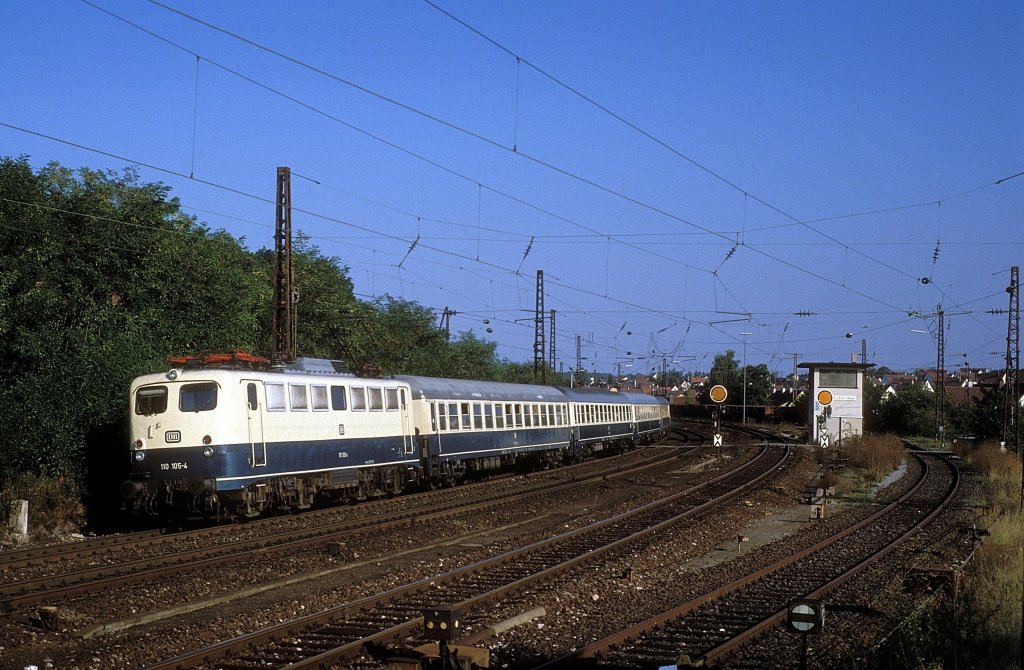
(151, 400)
(198, 397)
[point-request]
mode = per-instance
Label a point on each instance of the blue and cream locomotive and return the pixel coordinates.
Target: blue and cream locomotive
(234, 431)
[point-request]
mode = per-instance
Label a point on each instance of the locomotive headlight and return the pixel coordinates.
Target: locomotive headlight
(207, 439)
(208, 451)
(140, 456)
(138, 444)
(172, 375)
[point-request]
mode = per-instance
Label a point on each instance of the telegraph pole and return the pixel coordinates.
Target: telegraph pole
(284, 293)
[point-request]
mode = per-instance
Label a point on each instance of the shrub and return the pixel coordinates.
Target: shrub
(54, 502)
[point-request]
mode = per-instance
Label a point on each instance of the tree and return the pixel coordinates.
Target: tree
(101, 277)
(910, 412)
(726, 371)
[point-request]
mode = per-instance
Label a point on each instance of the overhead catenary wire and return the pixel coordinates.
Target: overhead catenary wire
(602, 238)
(538, 161)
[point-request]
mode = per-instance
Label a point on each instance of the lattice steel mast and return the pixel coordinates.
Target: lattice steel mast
(539, 369)
(1011, 397)
(284, 294)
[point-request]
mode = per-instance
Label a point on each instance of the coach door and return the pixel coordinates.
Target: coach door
(255, 412)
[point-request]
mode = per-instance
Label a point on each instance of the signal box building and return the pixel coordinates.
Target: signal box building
(835, 402)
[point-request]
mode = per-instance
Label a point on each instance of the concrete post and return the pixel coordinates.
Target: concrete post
(18, 522)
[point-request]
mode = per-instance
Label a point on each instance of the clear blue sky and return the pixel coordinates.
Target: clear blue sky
(768, 159)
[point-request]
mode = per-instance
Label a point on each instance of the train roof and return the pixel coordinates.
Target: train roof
(434, 388)
(596, 395)
(645, 399)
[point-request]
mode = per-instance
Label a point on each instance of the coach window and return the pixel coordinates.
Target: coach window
(358, 399)
(375, 397)
(478, 416)
(391, 398)
(442, 415)
(545, 420)
(151, 400)
(318, 394)
(518, 409)
(509, 416)
(338, 398)
(488, 415)
(528, 416)
(499, 416)
(198, 397)
(466, 420)
(453, 416)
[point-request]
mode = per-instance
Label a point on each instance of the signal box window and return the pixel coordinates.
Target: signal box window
(198, 397)
(151, 400)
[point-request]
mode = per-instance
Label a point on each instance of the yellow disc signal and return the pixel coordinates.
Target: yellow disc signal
(825, 397)
(719, 393)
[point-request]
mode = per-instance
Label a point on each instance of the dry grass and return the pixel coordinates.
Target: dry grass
(878, 455)
(870, 457)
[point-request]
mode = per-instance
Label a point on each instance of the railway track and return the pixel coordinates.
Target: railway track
(717, 624)
(95, 565)
(336, 634)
